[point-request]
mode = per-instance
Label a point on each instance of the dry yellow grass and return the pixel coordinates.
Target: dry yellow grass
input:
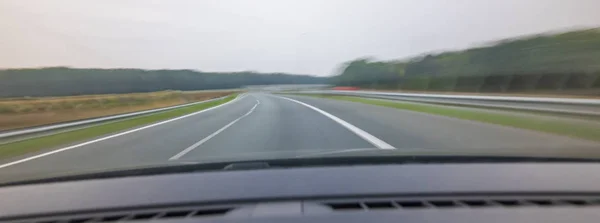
(20, 113)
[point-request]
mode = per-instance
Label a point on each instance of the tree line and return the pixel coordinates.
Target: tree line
(64, 81)
(570, 55)
(545, 61)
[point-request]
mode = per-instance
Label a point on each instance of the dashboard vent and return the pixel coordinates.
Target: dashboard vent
(318, 206)
(145, 215)
(379, 204)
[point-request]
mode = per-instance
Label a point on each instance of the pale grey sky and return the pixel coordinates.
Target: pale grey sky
(303, 36)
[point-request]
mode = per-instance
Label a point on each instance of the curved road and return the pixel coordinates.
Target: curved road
(261, 124)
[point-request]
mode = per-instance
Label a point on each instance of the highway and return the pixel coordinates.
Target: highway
(265, 124)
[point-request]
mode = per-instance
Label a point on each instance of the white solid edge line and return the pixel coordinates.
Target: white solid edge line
(118, 134)
(363, 134)
(195, 145)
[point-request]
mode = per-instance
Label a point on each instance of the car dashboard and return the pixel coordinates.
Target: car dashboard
(499, 192)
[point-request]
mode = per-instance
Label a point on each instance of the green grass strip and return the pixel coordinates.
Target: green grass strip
(32, 145)
(543, 125)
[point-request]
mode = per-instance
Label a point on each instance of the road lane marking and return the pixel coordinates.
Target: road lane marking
(363, 134)
(118, 134)
(195, 145)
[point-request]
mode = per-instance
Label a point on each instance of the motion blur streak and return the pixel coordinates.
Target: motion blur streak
(279, 125)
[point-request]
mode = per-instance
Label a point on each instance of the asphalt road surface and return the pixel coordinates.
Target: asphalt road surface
(261, 123)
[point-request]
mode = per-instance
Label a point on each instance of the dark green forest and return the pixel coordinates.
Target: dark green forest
(547, 62)
(542, 62)
(63, 81)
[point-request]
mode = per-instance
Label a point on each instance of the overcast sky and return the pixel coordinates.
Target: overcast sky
(304, 36)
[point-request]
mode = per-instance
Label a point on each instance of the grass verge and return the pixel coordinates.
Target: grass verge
(549, 126)
(45, 142)
(28, 112)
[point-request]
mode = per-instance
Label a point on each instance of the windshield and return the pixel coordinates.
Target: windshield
(102, 85)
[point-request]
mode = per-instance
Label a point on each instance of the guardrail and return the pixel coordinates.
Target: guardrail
(572, 106)
(53, 127)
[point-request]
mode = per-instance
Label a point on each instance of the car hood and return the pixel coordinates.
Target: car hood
(572, 153)
(341, 156)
